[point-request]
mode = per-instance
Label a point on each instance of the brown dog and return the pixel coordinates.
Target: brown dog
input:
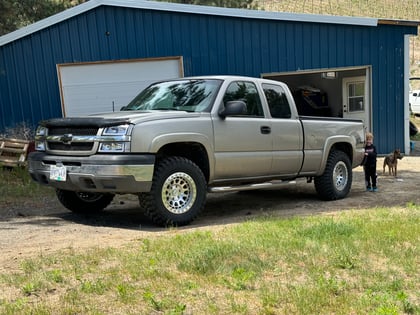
(391, 161)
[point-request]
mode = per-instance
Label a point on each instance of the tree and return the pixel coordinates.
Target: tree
(15, 14)
(245, 4)
(7, 21)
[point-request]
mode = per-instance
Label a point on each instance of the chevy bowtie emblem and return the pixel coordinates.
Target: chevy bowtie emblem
(67, 138)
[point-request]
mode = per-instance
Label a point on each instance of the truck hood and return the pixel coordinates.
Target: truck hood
(117, 118)
(136, 117)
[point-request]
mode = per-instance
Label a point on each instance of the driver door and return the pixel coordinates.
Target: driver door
(243, 143)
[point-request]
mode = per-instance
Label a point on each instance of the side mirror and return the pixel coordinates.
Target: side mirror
(233, 108)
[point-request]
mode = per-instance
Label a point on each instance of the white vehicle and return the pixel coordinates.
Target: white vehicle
(414, 98)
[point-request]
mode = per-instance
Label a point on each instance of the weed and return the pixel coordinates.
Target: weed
(151, 299)
(55, 276)
(23, 130)
(30, 288)
(89, 287)
(126, 292)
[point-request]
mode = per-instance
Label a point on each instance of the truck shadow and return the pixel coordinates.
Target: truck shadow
(221, 208)
(298, 199)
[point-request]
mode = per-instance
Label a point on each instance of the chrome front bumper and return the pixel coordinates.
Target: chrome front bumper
(96, 173)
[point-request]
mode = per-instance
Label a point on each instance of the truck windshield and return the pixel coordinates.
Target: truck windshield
(184, 95)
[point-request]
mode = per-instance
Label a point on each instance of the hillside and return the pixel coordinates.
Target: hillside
(390, 9)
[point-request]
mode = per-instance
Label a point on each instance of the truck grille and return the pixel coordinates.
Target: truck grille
(75, 146)
(60, 147)
(56, 131)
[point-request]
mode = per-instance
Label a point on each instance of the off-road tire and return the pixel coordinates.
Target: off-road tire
(84, 202)
(336, 181)
(178, 193)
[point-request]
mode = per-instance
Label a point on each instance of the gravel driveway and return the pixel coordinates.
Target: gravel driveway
(29, 230)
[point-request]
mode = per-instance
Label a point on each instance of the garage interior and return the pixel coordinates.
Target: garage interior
(320, 92)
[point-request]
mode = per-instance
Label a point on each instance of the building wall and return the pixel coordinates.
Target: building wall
(209, 45)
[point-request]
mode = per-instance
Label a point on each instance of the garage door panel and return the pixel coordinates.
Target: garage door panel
(104, 87)
(87, 99)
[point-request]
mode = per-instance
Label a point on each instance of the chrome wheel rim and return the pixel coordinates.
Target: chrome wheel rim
(340, 176)
(179, 193)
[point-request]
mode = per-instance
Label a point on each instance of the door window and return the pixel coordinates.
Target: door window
(247, 92)
(356, 96)
(277, 101)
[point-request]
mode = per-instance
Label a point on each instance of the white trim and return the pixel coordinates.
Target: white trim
(184, 8)
(406, 94)
(309, 71)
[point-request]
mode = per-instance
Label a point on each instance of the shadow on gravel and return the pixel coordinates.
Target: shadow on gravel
(124, 212)
(298, 199)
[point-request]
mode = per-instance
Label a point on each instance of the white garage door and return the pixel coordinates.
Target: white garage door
(90, 88)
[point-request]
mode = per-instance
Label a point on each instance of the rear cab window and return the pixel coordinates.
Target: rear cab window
(277, 101)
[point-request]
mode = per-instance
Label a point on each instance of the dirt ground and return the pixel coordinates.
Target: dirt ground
(39, 230)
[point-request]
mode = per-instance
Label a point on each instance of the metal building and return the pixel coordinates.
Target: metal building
(98, 55)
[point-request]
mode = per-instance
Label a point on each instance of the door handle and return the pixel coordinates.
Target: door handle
(265, 130)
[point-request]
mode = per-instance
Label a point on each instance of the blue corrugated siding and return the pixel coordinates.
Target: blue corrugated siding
(209, 45)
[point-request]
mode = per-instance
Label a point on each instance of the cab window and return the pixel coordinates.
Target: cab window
(247, 92)
(277, 101)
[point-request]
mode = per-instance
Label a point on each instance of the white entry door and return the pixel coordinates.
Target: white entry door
(356, 99)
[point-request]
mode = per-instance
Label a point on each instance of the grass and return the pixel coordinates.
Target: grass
(15, 183)
(355, 262)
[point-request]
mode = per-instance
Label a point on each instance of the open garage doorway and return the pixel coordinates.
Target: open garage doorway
(341, 92)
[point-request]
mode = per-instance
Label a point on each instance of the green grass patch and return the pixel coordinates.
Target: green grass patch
(17, 186)
(360, 262)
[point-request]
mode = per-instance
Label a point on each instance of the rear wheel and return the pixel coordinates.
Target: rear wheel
(336, 181)
(178, 193)
(83, 202)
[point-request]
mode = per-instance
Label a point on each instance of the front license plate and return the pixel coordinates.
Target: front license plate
(58, 173)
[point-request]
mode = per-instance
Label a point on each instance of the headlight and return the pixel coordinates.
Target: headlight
(112, 147)
(40, 134)
(41, 131)
(116, 130)
(39, 145)
(115, 139)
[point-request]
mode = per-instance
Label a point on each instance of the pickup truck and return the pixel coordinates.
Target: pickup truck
(180, 139)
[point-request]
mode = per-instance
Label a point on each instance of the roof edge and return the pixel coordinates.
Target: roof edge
(185, 8)
(398, 22)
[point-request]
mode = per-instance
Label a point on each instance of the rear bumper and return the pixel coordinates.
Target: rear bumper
(96, 173)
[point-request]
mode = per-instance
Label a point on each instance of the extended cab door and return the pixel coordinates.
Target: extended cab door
(286, 130)
(243, 144)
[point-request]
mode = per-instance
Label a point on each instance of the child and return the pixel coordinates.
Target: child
(369, 165)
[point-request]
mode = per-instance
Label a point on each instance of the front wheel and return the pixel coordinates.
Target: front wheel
(178, 193)
(83, 202)
(336, 181)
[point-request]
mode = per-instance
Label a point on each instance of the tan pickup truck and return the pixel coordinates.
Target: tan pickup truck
(180, 139)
